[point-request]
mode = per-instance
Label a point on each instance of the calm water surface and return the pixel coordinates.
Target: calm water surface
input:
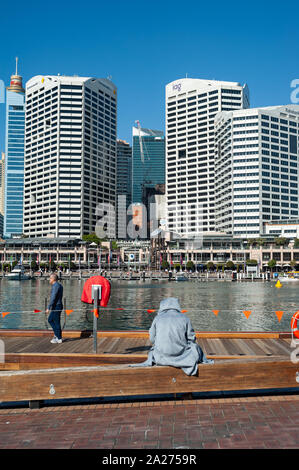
(135, 297)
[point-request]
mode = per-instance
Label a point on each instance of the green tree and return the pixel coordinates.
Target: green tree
(230, 265)
(190, 266)
(293, 263)
(251, 262)
(210, 265)
(34, 265)
(91, 238)
(177, 267)
(296, 243)
(280, 241)
(52, 265)
(165, 264)
(114, 245)
(72, 266)
(272, 263)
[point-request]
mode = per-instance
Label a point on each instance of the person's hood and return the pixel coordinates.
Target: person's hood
(170, 303)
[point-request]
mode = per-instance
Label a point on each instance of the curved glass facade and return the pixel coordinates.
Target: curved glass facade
(14, 163)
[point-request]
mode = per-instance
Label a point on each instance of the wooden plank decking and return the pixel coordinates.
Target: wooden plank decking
(36, 351)
(242, 361)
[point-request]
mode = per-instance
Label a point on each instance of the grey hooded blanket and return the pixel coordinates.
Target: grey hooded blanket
(173, 339)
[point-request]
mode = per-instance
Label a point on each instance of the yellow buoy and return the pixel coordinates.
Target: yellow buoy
(278, 284)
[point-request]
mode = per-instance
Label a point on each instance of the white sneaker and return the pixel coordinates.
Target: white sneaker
(59, 341)
(54, 340)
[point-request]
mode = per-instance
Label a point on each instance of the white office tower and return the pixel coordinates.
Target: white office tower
(70, 154)
(191, 107)
(256, 168)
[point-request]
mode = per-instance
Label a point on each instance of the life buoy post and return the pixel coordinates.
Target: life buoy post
(96, 295)
(96, 291)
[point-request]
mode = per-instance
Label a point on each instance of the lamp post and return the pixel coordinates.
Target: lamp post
(245, 245)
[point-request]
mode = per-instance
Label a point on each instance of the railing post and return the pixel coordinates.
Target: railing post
(46, 317)
(96, 296)
(95, 321)
(64, 304)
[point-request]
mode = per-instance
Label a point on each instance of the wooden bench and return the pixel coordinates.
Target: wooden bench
(122, 380)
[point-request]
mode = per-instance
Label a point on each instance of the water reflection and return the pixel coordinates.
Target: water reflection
(199, 298)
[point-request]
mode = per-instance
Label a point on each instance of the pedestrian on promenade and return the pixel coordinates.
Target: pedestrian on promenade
(55, 307)
(174, 340)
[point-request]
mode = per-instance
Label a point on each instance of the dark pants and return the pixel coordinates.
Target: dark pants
(54, 320)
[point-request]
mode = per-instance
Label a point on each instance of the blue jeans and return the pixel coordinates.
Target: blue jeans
(54, 320)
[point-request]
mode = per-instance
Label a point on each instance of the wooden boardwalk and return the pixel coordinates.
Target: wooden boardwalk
(129, 345)
(26, 349)
(243, 360)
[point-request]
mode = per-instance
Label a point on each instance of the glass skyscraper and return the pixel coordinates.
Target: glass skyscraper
(148, 162)
(14, 157)
(124, 170)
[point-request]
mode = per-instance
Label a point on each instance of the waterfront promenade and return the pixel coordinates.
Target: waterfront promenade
(226, 423)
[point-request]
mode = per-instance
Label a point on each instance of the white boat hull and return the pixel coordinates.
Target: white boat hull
(18, 277)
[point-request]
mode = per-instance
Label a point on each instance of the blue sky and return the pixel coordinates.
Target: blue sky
(145, 45)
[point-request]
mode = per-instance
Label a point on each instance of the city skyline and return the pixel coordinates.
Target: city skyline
(239, 49)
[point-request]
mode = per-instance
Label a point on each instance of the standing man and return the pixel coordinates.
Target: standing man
(55, 306)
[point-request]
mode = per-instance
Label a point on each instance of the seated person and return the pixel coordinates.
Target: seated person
(174, 341)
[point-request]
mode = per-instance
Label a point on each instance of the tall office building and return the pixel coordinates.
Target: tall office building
(2, 182)
(256, 168)
(2, 187)
(124, 186)
(148, 162)
(124, 170)
(14, 156)
(70, 154)
(191, 107)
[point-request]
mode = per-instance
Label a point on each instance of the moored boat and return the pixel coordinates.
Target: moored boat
(181, 277)
(18, 274)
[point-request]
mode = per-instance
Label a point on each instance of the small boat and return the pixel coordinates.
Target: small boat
(181, 277)
(288, 279)
(18, 274)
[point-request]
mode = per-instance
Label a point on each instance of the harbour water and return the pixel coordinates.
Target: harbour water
(263, 299)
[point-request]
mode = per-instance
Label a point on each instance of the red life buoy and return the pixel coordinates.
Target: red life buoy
(294, 324)
(106, 289)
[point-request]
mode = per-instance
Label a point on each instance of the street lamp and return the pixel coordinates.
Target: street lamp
(245, 245)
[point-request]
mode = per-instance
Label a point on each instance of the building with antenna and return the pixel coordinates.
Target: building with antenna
(2, 182)
(14, 156)
(148, 162)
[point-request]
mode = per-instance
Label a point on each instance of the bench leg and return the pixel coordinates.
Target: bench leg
(35, 404)
(187, 396)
